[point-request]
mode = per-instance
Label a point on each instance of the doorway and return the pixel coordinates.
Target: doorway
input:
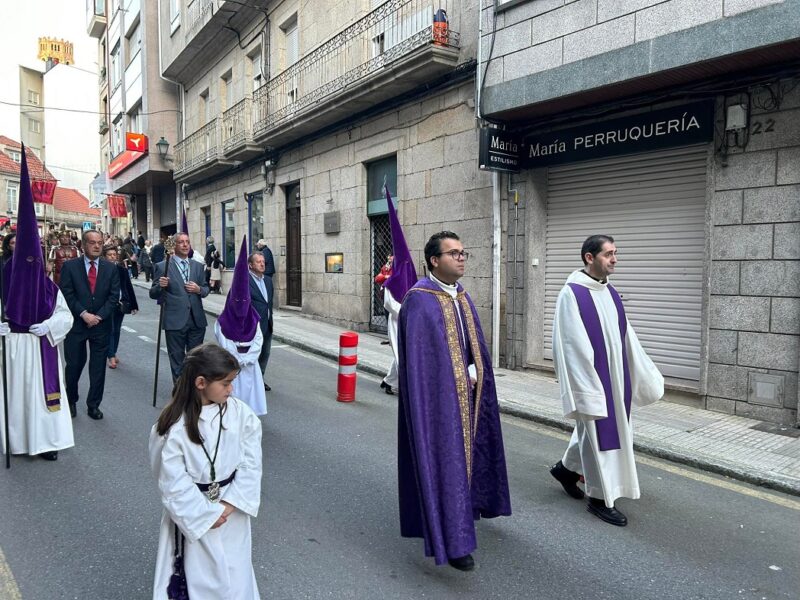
(294, 267)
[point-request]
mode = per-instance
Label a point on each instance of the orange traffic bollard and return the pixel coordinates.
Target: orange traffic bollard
(348, 359)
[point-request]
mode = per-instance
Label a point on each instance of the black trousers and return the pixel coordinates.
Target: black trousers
(75, 344)
(179, 342)
(263, 357)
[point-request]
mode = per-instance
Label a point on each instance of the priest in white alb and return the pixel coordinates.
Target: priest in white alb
(602, 371)
(237, 330)
(36, 322)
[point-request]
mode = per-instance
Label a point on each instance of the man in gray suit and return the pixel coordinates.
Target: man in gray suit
(181, 291)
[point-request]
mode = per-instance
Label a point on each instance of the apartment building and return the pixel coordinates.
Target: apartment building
(673, 126)
(296, 113)
(138, 108)
(31, 117)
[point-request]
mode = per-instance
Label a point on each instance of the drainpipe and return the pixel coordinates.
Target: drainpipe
(496, 233)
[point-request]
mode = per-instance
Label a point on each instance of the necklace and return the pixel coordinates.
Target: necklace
(213, 488)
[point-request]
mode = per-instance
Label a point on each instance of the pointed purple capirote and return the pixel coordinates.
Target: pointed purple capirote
(239, 319)
(30, 297)
(185, 229)
(404, 275)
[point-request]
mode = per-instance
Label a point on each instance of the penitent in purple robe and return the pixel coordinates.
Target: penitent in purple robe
(451, 464)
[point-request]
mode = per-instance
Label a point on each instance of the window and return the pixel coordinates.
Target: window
(135, 120)
(117, 136)
(255, 69)
(292, 42)
(34, 98)
(14, 155)
(174, 14)
(134, 42)
(378, 172)
(255, 212)
(116, 66)
(227, 90)
(34, 126)
(12, 195)
(36, 151)
(228, 234)
(203, 108)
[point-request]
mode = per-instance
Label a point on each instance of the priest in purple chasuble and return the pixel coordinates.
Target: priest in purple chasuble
(602, 372)
(237, 330)
(451, 463)
(37, 321)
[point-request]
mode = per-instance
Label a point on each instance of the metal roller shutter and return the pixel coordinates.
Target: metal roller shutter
(653, 205)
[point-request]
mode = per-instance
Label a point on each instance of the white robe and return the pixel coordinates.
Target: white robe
(609, 474)
(393, 306)
(218, 562)
(249, 383)
(33, 429)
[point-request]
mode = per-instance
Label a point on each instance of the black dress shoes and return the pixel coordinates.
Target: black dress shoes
(95, 413)
(387, 388)
(610, 515)
(52, 455)
(267, 388)
(568, 480)
(73, 410)
(465, 563)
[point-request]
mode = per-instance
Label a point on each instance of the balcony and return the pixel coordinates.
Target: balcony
(237, 132)
(206, 27)
(200, 154)
(395, 48)
(95, 18)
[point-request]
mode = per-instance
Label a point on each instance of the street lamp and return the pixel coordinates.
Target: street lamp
(162, 145)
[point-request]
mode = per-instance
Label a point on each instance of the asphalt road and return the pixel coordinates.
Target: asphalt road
(85, 527)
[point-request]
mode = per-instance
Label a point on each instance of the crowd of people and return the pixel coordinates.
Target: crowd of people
(205, 449)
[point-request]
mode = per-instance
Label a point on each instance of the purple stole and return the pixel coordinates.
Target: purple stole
(49, 354)
(607, 434)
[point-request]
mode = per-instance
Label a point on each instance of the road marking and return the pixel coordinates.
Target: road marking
(8, 585)
(144, 338)
(128, 329)
(732, 486)
(279, 346)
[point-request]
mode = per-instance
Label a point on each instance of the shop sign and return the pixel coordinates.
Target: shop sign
(136, 147)
(676, 126)
(499, 151)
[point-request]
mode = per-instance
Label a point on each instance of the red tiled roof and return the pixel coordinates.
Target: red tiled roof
(35, 167)
(70, 200)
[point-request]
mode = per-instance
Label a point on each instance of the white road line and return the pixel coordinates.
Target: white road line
(671, 468)
(8, 585)
(144, 338)
(279, 346)
(128, 329)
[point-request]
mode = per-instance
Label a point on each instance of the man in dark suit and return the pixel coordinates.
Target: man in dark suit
(90, 286)
(157, 251)
(269, 261)
(261, 291)
(181, 289)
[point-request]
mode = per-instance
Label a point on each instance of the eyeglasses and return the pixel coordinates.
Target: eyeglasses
(456, 254)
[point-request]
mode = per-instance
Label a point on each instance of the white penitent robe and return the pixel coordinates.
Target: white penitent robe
(218, 562)
(33, 429)
(609, 474)
(393, 307)
(249, 383)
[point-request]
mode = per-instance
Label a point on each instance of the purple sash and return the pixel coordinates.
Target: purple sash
(607, 434)
(49, 354)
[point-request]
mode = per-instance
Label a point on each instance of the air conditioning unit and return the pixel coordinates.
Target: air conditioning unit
(103, 126)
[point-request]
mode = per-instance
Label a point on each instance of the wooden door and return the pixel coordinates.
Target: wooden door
(294, 268)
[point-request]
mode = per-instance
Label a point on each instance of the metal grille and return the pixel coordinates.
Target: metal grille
(380, 249)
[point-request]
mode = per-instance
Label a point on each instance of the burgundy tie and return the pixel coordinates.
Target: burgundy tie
(92, 276)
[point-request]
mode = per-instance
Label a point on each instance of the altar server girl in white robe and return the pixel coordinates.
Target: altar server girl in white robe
(205, 452)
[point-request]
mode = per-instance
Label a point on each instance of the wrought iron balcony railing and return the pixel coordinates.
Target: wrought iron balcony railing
(237, 125)
(198, 148)
(388, 33)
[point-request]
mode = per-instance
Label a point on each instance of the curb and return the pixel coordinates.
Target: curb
(774, 482)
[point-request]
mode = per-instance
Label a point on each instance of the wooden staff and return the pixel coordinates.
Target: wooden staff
(5, 368)
(160, 325)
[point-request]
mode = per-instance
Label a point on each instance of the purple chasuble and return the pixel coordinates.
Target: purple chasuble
(451, 462)
(607, 434)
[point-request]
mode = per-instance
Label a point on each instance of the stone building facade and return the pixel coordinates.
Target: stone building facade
(708, 228)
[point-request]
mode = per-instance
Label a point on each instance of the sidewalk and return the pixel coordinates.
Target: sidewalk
(753, 451)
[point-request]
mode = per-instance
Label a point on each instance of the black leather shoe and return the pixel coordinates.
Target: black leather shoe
(53, 455)
(387, 388)
(95, 413)
(73, 410)
(465, 563)
(568, 480)
(610, 515)
(267, 388)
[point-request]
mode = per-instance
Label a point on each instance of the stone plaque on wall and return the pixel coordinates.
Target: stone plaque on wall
(766, 390)
(332, 222)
